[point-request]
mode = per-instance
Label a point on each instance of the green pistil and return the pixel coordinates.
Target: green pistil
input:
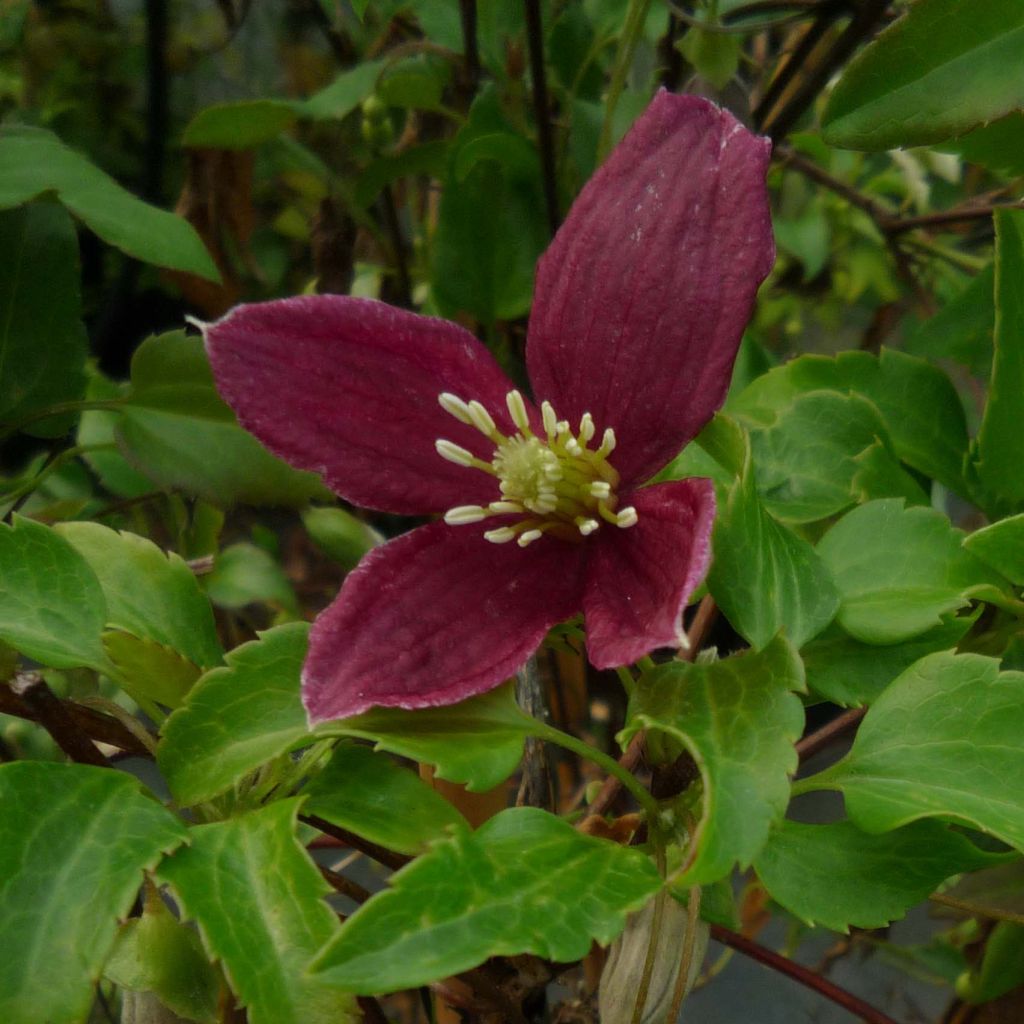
(556, 483)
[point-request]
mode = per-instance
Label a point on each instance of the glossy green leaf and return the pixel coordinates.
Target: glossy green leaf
(149, 669)
(739, 718)
(851, 673)
(150, 593)
(1001, 969)
(157, 953)
(478, 741)
(806, 461)
(715, 55)
(935, 744)
(34, 161)
(370, 795)
(258, 901)
(525, 882)
(179, 433)
(344, 94)
(945, 67)
(922, 412)
(999, 449)
(899, 570)
(838, 876)
(243, 573)
(340, 535)
(42, 339)
(1001, 546)
(238, 717)
(51, 604)
(998, 146)
(763, 576)
(74, 842)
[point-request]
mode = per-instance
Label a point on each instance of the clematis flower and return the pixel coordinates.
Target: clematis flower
(639, 306)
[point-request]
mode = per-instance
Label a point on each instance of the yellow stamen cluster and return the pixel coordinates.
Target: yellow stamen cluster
(556, 483)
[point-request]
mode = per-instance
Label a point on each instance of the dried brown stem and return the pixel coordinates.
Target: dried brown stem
(49, 711)
(388, 858)
(824, 737)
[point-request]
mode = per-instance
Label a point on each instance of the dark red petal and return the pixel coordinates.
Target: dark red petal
(639, 579)
(348, 388)
(642, 298)
(435, 616)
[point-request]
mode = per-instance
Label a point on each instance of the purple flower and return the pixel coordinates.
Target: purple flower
(640, 304)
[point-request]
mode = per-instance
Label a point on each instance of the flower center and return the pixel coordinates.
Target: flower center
(554, 484)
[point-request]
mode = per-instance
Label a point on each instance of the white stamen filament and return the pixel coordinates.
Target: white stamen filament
(550, 419)
(500, 508)
(500, 536)
(462, 515)
(587, 428)
(529, 537)
(455, 406)
(454, 453)
(482, 419)
(586, 526)
(517, 410)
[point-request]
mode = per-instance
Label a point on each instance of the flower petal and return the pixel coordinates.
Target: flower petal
(642, 298)
(639, 579)
(349, 388)
(435, 616)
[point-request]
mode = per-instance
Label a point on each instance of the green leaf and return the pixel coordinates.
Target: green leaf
(715, 55)
(491, 223)
(156, 953)
(240, 125)
(1002, 966)
(850, 673)
(243, 574)
(42, 339)
(368, 794)
(899, 570)
(340, 535)
(344, 94)
(838, 876)
(51, 605)
(149, 669)
(258, 901)
(806, 462)
(1001, 546)
(998, 146)
(179, 433)
(34, 161)
(764, 577)
(416, 83)
(994, 891)
(238, 717)
(922, 412)
(945, 67)
(149, 593)
(999, 447)
(739, 718)
(936, 744)
(478, 742)
(74, 842)
(525, 882)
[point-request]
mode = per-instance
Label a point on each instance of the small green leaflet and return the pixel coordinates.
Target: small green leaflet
(74, 842)
(900, 570)
(258, 901)
(932, 746)
(1001, 546)
(763, 576)
(525, 882)
(739, 718)
(369, 794)
(34, 161)
(238, 717)
(838, 876)
(1002, 966)
(51, 604)
(478, 742)
(945, 67)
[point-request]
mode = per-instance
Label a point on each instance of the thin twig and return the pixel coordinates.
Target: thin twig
(824, 737)
(372, 1012)
(470, 48)
(799, 973)
(954, 216)
(49, 711)
(991, 913)
(388, 858)
(541, 112)
(389, 214)
(340, 883)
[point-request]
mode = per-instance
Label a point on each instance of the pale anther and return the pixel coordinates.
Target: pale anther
(608, 441)
(481, 418)
(462, 515)
(455, 406)
(586, 526)
(529, 537)
(601, 489)
(454, 453)
(505, 508)
(572, 446)
(547, 413)
(627, 517)
(501, 536)
(517, 410)
(587, 428)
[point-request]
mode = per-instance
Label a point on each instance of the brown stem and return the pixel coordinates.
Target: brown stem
(535, 42)
(388, 858)
(338, 882)
(954, 216)
(389, 214)
(828, 734)
(372, 1013)
(470, 49)
(49, 711)
(799, 973)
(94, 724)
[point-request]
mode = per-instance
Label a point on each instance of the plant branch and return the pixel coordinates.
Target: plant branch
(59, 409)
(541, 112)
(338, 882)
(824, 737)
(804, 975)
(389, 215)
(991, 913)
(49, 711)
(470, 48)
(636, 15)
(386, 857)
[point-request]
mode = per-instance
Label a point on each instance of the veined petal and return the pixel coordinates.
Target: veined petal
(435, 616)
(349, 388)
(642, 298)
(639, 579)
